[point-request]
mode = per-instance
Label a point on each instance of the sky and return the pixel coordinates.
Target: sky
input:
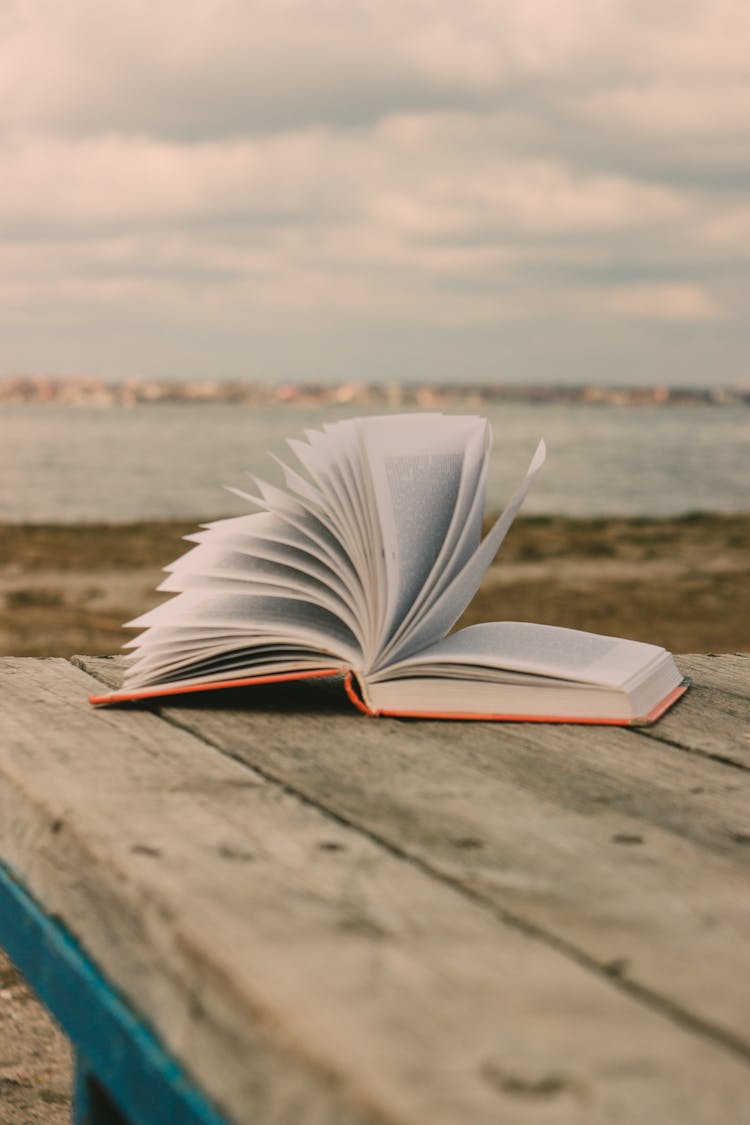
(376, 190)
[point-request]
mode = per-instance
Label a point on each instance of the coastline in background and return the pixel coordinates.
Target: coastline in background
(91, 390)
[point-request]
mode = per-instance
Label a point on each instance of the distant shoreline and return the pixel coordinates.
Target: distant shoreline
(91, 391)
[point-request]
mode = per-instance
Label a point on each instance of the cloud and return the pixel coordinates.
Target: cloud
(663, 302)
(372, 172)
(212, 70)
(218, 70)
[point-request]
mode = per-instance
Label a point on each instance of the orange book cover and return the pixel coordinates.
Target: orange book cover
(356, 695)
(357, 698)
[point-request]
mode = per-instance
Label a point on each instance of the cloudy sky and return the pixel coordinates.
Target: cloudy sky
(523, 190)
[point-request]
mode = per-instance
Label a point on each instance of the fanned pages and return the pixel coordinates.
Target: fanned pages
(359, 565)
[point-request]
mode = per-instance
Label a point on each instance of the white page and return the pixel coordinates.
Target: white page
(283, 506)
(172, 649)
(219, 671)
(415, 464)
(266, 659)
(413, 476)
(277, 620)
(333, 459)
(449, 606)
(177, 635)
(318, 456)
(281, 543)
(175, 639)
(216, 567)
(354, 479)
(235, 555)
(236, 592)
(349, 464)
(461, 541)
(252, 523)
(308, 492)
(284, 618)
(394, 434)
(333, 456)
(155, 663)
(228, 571)
(274, 586)
(317, 536)
(238, 556)
(542, 650)
(226, 676)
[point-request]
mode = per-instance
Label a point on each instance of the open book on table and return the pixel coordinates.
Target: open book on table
(360, 565)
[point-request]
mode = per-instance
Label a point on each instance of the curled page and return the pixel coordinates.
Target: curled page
(415, 466)
(449, 606)
(461, 540)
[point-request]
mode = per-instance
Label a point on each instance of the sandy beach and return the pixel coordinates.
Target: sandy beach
(681, 582)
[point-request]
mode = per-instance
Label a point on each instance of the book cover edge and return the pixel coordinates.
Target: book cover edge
(642, 720)
(355, 692)
(162, 692)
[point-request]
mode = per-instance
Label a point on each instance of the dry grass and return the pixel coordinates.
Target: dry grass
(682, 583)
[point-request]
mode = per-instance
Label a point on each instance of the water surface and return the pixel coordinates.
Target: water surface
(65, 465)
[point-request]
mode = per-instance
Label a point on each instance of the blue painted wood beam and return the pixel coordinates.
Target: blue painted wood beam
(121, 1066)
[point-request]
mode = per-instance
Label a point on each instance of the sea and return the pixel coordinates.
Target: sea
(64, 464)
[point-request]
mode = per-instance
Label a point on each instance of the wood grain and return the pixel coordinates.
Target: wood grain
(728, 671)
(301, 969)
(630, 853)
(715, 720)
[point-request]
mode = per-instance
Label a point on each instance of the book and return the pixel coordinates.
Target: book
(359, 565)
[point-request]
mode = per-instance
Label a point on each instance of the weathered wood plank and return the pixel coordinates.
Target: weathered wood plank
(715, 719)
(303, 971)
(710, 719)
(727, 671)
(632, 853)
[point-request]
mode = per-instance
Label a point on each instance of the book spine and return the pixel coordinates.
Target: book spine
(355, 690)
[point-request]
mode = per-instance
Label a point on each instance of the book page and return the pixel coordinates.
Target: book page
(297, 571)
(180, 636)
(282, 619)
(274, 586)
(296, 524)
(321, 456)
(275, 539)
(220, 570)
(234, 554)
(333, 459)
(450, 604)
(415, 464)
(267, 553)
(460, 543)
(540, 650)
(225, 659)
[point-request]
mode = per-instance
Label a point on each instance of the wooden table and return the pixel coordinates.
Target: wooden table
(266, 908)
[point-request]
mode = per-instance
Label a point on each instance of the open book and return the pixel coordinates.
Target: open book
(360, 566)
